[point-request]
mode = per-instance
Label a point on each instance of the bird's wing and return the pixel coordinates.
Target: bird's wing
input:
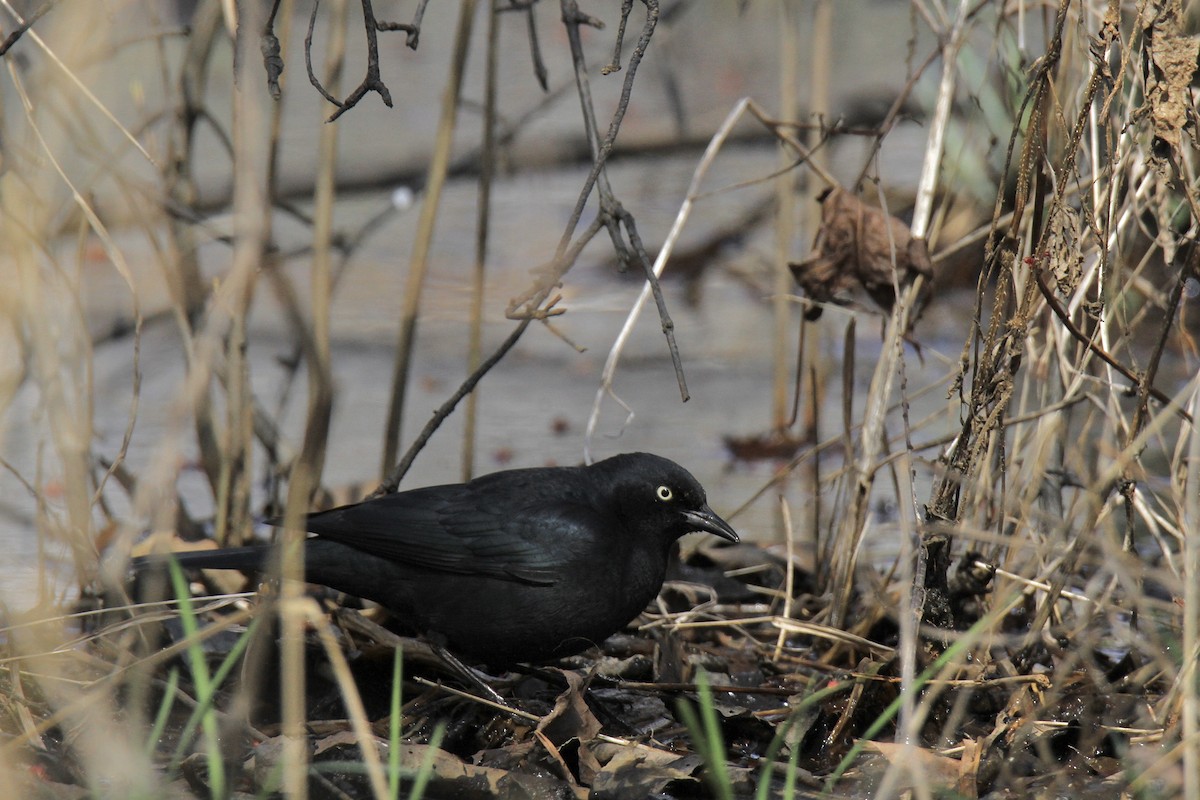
(509, 535)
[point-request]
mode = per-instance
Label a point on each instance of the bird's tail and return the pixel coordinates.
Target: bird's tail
(246, 559)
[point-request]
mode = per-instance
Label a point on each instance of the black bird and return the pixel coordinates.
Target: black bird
(523, 565)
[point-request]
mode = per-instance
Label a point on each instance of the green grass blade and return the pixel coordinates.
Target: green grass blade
(425, 771)
(394, 741)
(705, 730)
(164, 713)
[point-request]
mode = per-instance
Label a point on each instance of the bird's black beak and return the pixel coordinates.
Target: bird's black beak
(705, 519)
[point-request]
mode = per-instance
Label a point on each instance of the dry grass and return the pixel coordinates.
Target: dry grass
(1038, 633)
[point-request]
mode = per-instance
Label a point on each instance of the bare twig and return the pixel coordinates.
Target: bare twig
(372, 82)
(392, 481)
(23, 26)
(614, 355)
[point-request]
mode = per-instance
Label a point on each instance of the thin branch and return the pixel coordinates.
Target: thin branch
(444, 410)
(1065, 318)
(372, 82)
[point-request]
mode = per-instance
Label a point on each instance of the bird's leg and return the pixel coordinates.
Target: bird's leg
(425, 650)
(472, 676)
(430, 653)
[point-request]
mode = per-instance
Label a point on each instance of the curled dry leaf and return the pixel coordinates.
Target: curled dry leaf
(855, 245)
(1169, 70)
(572, 719)
(642, 771)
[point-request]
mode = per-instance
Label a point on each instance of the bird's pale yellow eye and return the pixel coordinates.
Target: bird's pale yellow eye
(665, 493)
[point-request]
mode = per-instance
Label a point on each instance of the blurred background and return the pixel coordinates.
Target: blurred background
(121, 375)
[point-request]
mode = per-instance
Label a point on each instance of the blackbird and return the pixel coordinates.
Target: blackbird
(523, 565)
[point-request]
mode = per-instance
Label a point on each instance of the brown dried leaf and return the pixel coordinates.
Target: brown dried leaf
(1065, 251)
(968, 768)
(641, 771)
(1169, 70)
(776, 444)
(855, 245)
(922, 766)
(571, 719)
(344, 737)
(453, 777)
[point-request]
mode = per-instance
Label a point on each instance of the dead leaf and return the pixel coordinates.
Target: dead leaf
(642, 771)
(967, 784)
(571, 719)
(921, 766)
(453, 777)
(855, 245)
(344, 737)
(776, 445)
(1169, 69)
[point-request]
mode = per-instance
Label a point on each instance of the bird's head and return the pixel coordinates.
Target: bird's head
(659, 498)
